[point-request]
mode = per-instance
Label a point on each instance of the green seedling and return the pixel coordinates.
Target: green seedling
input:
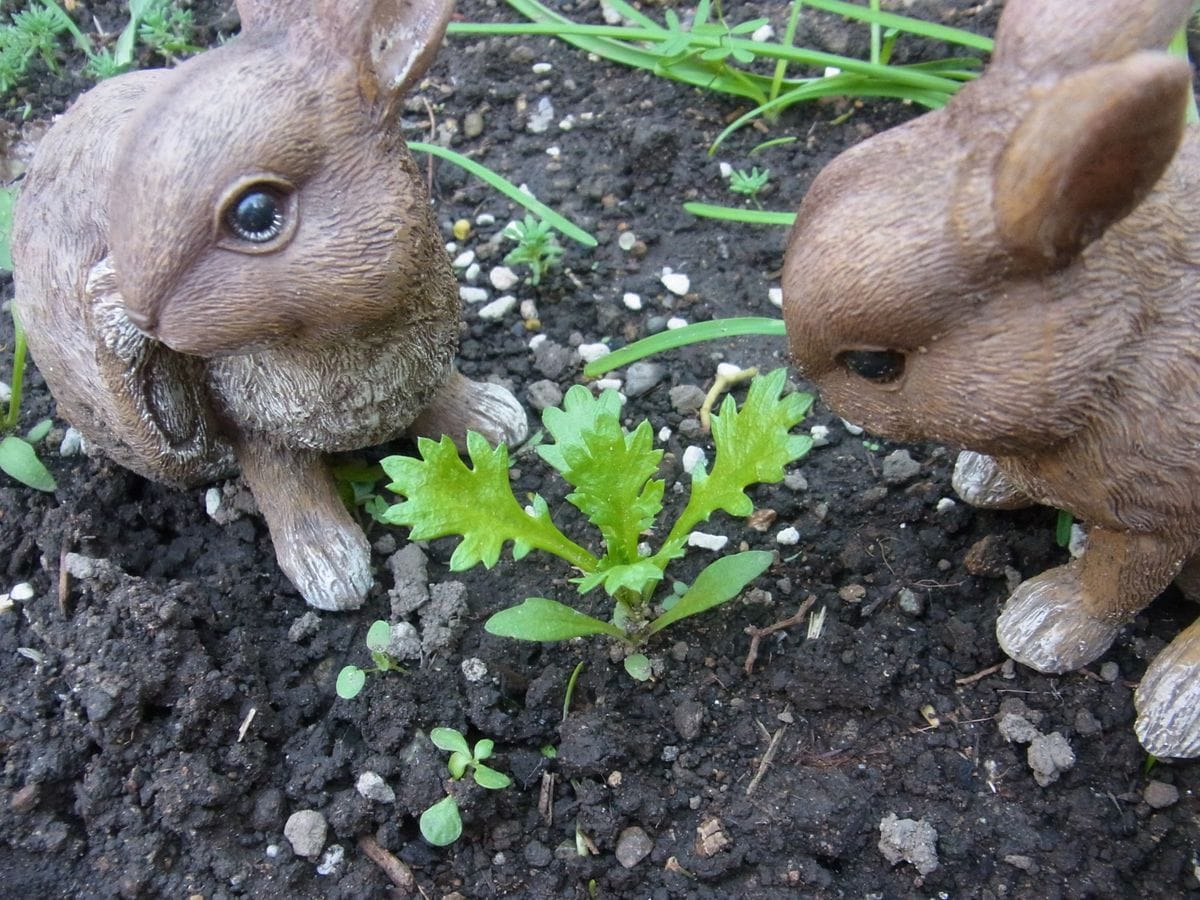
(166, 29)
(356, 482)
(32, 33)
(441, 824)
(351, 679)
(610, 470)
(749, 183)
(537, 247)
(18, 455)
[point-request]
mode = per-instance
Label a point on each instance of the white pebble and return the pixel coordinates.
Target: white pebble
(626, 240)
(851, 428)
(707, 541)
(541, 68)
(675, 323)
(592, 352)
(331, 859)
(762, 34)
(788, 537)
(464, 259)
(611, 16)
(472, 273)
(474, 669)
(542, 116)
(485, 219)
(451, 249)
(469, 294)
(537, 340)
(831, 71)
(693, 456)
(566, 124)
(632, 301)
(728, 370)
(5, 392)
(372, 786)
(72, 442)
(21, 592)
(529, 309)
(554, 152)
(820, 435)
(498, 308)
(676, 282)
(6, 604)
(609, 384)
(503, 278)
(212, 501)
(664, 433)
(726, 170)
(945, 505)
(775, 295)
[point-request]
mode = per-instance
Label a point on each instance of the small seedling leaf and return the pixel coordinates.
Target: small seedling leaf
(19, 460)
(350, 682)
(441, 824)
(450, 740)
(487, 777)
(379, 636)
(484, 748)
(540, 619)
(39, 431)
(458, 763)
(720, 582)
(637, 666)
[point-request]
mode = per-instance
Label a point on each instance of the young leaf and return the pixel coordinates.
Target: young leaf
(458, 763)
(350, 682)
(636, 577)
(718, 582)
(539, 619)
(379, 635)
(441, 824)
(19, 460)
(753, 447)
(484, 748)
(637, 667)
(609, 467)
(487, 777)
(445, 497)
(450, 740)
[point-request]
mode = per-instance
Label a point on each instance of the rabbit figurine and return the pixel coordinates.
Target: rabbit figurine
(1019, 274)
(233, 264)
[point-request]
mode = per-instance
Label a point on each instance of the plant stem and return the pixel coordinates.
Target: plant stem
(18, 376)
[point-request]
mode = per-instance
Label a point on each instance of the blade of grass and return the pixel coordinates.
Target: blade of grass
(508, 189)
(736, 214)
(681, 337)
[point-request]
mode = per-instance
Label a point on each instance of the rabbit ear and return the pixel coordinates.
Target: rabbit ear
(1037, 36)
(1087, 153)
(394, 41)
(159, 409)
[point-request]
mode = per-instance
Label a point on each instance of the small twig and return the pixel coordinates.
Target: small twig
(398, 872)
(979, 676)
(757, 634)
(64, 583)
(546, 799)
(767, 759)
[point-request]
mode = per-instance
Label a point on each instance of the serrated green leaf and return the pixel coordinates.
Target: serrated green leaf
(636, 577)
(445, 497)
(637, 666)
(450, 740)
(350, 682)
(20, 461)
(441, 824)
(379, 635)
(753, 447)
(540, 619)
(487, 777)
(609, 467)
(718, 583)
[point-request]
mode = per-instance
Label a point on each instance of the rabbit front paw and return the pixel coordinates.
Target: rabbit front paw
(980, 482)
(331, 568)
(1046, 626)
(463, 405)
(1168, 699)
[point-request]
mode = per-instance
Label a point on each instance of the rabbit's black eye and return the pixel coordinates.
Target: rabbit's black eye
(256, 214)
(880, 366)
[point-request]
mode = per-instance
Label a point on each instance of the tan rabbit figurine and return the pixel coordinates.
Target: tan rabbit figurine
(1019, 274)
(233, 264)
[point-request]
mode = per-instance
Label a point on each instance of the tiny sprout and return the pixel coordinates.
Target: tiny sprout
(441, 824)
(537, 247)
(351, 679)
(749, 183)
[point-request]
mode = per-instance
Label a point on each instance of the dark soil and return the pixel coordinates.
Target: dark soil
(132, 766)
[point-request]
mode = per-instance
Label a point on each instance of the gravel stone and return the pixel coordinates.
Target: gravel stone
(1160, 795)
(543, 394)
(909, 840)
(1049, 756)
(643, 376)
(633, 846)
(304, 627)
(689, 719)
(988, 557)
(911, 603)
(686, 399)
(372, 786)
(305, 830)
(899, 467)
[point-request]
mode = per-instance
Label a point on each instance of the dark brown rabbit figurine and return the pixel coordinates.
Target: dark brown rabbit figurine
(233, 265)
(1019, 274)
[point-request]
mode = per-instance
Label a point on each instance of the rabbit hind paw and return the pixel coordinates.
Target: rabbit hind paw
(1168, 699)
(980, 482)
(332, 571)
(1045, 626)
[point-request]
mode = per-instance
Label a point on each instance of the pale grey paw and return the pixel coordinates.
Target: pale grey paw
(1168, 699)
(1044, 626)
(498, 415)
(979, 481)
(332, 575)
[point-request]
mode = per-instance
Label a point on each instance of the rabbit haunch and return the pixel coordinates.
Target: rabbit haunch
(234, 264)
(1019, 274)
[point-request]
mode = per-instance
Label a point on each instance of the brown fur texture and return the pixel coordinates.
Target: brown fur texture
(184, 349)
(1019, 274)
